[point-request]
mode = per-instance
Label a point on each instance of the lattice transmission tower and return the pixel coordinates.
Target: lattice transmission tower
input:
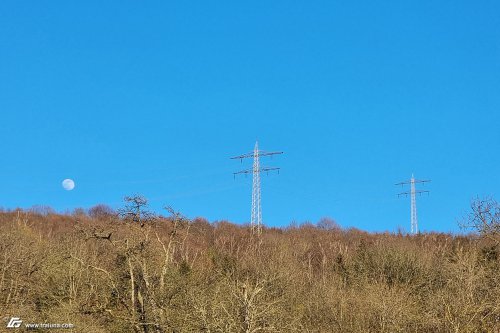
(413, 194)
(256, 216)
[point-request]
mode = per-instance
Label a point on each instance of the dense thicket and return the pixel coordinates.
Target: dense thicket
(104, 273)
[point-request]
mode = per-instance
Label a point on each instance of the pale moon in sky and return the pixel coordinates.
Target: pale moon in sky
(68, 184)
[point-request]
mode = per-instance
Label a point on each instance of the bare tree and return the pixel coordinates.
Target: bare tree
(484, 218)
(327, 223)
(178, 220)
(136, 210)
(101, 211)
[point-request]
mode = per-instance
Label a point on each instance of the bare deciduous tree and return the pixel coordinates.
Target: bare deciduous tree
(485, 218)
(136, 210)
(101, 211)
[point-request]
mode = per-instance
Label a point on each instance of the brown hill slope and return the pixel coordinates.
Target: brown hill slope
(104, 274)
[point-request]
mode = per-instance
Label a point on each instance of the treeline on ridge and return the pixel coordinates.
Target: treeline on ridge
(134, 271)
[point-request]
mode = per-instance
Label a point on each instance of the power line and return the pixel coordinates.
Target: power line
(413, 194)
(256, 216)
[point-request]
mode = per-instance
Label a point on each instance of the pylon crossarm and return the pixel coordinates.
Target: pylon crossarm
(256, 154)
(407, 182)
(416, 192)
(263, 169)
(242, 156)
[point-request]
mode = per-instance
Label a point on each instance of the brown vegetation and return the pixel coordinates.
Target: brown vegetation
(106, 273)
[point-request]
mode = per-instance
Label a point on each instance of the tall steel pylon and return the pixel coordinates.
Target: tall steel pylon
(414, 219)
(256, 205)
(256, 215)
(413, 194)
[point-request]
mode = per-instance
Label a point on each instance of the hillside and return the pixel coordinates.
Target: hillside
(109, 274)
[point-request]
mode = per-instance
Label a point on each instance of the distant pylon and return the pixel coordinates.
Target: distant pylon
(414, 219)
(256, 215)
(256, 206)
(413, 194)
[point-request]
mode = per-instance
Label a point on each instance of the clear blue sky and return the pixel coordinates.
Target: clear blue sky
(154, 97)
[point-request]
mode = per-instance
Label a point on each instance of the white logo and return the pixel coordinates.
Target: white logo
(14, 322)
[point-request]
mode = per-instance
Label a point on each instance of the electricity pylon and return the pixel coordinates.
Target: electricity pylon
(413, 194)
(256, 221)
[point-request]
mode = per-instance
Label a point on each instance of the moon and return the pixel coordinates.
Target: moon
(68, 184)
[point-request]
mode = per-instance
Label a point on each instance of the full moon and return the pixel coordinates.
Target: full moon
(68, 184)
